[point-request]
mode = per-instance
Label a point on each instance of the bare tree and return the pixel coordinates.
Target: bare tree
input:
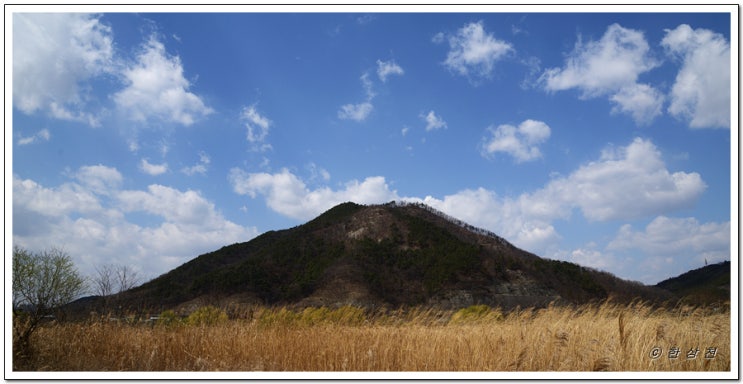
(127, 278)
(111, 279)
(103, 281)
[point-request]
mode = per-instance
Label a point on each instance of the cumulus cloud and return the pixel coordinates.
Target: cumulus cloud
(676, 237)
(186, 208)
(520, 142)
(156, 88)
(701, 93)
(387, 68)
(673, 245)
(502, 215)
(152, 169)
(611, 67)
(29, 195)
(79, 46)
(641, 101)
(473, 52)
(433, 122)
(629, 182)
(589, 256)
(99, 179)
(92, 209)
(288, 195)
(625, 183)
(40, 135)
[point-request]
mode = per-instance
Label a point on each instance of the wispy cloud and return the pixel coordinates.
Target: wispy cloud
(357, 112)
(257, 127)
(433, 122)
(40, 135)
(387, 68)
(473, 52)
(199, 168)
(360, 111)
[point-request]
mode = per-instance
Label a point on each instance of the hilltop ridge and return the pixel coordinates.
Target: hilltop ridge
(382, 255)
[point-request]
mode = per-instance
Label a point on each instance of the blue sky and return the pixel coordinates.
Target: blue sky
(147, 139)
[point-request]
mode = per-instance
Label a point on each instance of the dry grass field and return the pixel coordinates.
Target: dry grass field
(603, 337)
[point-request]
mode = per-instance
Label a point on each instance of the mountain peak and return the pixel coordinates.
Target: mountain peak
(399, 253)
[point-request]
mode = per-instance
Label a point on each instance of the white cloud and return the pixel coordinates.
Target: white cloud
(80, 48)
(199, 168)
(49, 202)
(473, 52)
(673, 245)
(387, 68)
(591, 257)
(641, 101)
(156, 88)
(433, 122)
(257, 125)
(629, 182)
(520, 142)
(358, 112)
(626, 183)
(317, 172)
(365, 19)
(677, 237)
(99, 179)
(502, 215)
(152, 169)
(611, 67)
(604, 66)
(185, 208)
(368, 86)
(701, 92)
(194, 169)
(40, 135)
(286, 194)
(183, 224)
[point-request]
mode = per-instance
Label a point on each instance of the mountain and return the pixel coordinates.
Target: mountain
(710, 283)
(395, 254)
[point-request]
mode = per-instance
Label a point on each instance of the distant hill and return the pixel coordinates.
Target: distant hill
(396, 254)
(708, 284)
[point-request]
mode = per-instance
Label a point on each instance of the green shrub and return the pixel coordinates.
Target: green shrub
(476, 314)
(345, 315)
(208, 315)
(282, 316)
(168, 318)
